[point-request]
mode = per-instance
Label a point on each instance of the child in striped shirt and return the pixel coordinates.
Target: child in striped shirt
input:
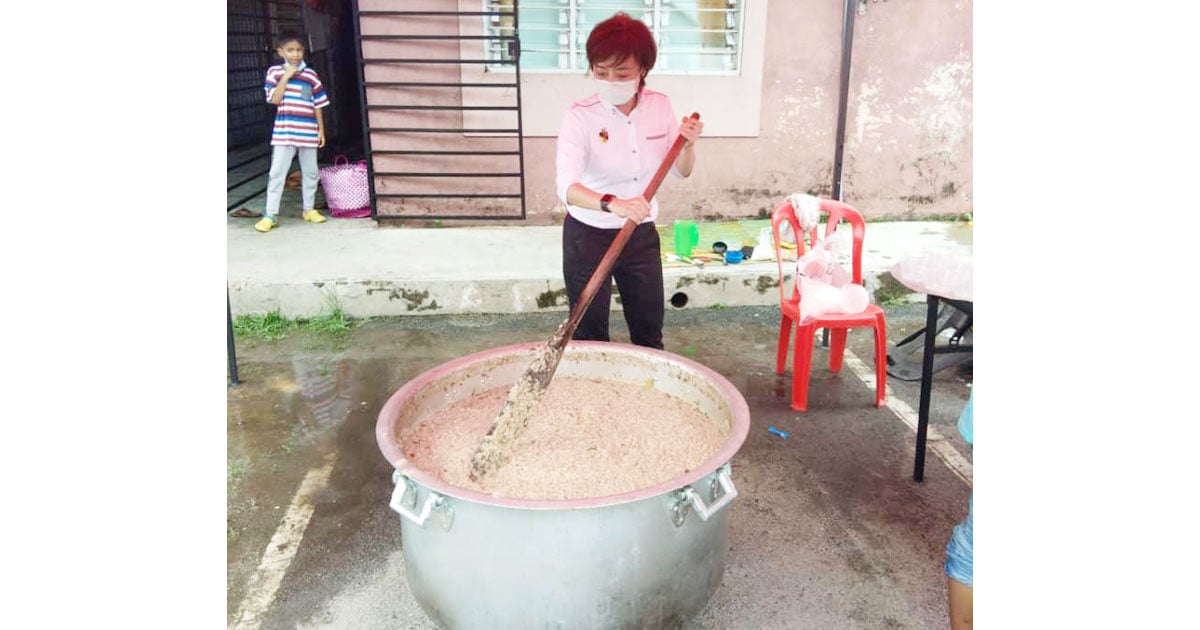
(297, 92)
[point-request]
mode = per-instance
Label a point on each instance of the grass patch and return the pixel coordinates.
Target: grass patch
(269, 327)
(236, 469)
(947, 217)
(335, 321)
(273, 326)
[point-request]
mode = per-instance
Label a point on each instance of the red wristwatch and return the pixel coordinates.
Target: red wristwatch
(604, 201)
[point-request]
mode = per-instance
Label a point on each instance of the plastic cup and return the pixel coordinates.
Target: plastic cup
(687, 236)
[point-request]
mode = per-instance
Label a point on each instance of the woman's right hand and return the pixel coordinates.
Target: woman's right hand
(635, 208)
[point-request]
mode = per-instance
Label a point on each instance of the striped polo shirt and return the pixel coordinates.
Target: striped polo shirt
(295, 117)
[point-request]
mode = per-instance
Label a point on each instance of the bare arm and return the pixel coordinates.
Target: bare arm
(320, 127)
(277, 94)
(686, 160)
(690, 130)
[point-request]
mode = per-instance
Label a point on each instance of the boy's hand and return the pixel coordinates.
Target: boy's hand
(321, 139)
(289, 70)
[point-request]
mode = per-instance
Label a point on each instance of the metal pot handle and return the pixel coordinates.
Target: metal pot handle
(433, 501)
(688, 497)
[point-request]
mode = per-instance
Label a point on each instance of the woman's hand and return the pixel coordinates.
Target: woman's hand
(635, 208)
(690, 130)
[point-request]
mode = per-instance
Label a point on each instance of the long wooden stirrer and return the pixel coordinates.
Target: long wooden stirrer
(525, 395)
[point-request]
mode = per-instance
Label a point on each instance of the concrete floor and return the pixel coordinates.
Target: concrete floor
(829, 530)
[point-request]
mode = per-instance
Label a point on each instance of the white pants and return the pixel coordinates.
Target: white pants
(281, 162)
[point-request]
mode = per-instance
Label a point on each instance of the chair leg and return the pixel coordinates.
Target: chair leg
(805, 336)
(785, 334)
(837, 348)
(880, 360)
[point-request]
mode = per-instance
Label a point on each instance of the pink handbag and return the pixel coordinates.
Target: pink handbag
(346, 189)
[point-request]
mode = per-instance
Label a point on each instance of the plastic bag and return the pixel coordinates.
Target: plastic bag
(824, 284)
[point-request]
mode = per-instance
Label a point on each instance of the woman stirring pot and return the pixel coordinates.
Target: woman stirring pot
(609, 146)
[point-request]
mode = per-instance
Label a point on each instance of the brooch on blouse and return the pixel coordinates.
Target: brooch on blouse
(604, 135)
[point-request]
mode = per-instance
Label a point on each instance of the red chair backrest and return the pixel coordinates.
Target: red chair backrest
(834, 213)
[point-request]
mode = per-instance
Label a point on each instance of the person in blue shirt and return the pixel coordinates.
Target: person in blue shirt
(959, 552)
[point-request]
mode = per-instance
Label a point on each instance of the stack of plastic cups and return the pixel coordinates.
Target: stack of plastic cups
(687, 236)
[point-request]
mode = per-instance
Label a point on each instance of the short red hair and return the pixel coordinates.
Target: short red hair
(620, 37)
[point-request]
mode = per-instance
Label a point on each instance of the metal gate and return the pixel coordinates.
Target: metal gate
(434, 149)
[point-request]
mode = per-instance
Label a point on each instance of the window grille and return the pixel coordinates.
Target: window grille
(693, 36)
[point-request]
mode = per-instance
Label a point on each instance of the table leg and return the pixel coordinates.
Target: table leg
(926, 385)
(232, 349)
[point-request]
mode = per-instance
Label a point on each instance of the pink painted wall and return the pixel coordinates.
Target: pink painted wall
(908, 150)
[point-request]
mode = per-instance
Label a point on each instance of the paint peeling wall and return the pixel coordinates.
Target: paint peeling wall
(909, 140)
(909, 118)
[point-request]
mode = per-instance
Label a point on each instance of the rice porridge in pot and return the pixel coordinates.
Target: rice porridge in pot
(588, 438)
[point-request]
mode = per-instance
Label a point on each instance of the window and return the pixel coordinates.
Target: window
(693, 36)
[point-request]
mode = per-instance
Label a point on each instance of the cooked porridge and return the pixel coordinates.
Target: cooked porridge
(588, 438)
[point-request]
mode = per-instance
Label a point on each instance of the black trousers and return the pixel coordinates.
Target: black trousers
(638, 273)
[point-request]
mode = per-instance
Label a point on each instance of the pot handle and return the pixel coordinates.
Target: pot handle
(433, 501)
(689, 497)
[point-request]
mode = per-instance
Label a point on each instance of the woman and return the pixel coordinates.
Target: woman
(609, 147)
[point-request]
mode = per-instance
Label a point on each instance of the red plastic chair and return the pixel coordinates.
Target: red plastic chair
(837, 323)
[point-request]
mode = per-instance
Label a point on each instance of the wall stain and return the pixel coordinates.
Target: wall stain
(550, 299)
(415, 299)
(762, 284)
(742, 195)
(918, 199)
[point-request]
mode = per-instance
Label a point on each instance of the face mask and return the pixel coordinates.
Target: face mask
(616, 93)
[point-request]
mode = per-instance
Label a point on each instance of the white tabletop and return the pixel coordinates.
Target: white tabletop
(942, 274)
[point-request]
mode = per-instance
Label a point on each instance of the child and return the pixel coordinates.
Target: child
(960, 551)
(297, 92)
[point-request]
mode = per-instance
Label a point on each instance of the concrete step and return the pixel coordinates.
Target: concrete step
(371, 269)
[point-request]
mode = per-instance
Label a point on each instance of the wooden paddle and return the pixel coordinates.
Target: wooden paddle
(525, 395)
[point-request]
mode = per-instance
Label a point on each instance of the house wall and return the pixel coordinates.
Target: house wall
(908, 146)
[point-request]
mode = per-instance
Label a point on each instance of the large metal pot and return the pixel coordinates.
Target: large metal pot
(644, 559)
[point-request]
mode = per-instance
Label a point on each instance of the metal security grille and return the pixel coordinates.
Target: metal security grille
(252, 27)
(700, 37)
(440, 146)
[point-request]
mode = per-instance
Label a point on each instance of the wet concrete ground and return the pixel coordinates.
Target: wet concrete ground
(829, 530)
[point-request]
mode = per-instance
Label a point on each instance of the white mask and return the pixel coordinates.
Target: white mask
(616, 93)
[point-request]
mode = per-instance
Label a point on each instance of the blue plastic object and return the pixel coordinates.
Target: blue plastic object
(782, 434)
(733, 256)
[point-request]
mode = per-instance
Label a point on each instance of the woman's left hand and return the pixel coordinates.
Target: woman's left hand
(690, 130)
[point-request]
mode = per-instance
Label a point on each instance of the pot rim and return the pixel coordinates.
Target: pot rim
(384, 435)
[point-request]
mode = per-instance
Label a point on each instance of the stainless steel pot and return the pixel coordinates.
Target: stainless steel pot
(650, 558)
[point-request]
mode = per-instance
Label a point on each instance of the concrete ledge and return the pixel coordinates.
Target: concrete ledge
(374, 270)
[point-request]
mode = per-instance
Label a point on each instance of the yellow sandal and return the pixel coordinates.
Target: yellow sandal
(265, 224)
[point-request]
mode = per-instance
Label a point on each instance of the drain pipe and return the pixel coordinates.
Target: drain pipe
(850, 7)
